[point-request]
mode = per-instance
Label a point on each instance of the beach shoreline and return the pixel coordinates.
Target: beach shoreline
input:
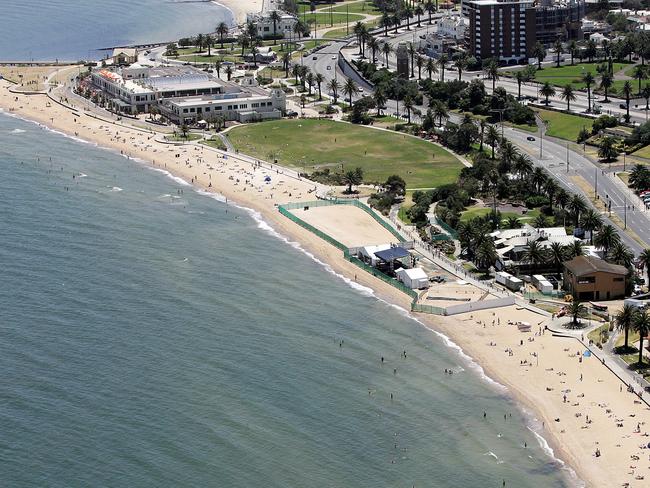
(240, 8)
(462, 331)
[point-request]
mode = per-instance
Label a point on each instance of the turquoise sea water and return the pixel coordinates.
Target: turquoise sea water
(154, 336)
(71, 30)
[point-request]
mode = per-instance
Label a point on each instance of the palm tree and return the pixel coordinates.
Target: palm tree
(318, 79)
(574, 250)
(520, 76)
(644, 260)
(334, 86)
(386, 50)
(286, 62)
(442, 63)
(523, 165)
(607, 152)
(350, 88)
(591, 222)
(590, 49)
(309, 78)
(254, 53)
(229, 72)
(620, 254)
(380, 100)
(573, 48)
(641, 324)
(431, 67)
(624, 321)
(385, 22)
(275, 17)
(461, 62)
(606, 82)
(646, 95)
(440, 111)
(492, 138)
(353, 177)
(576, 310)
(547, 91)
(540, 221)
(419, 11)
(486, 255)
(430, 8)
(373, 44)
(557, 46)
(408, 105)
(513, 223)
(491, 71)
(640, 73)
(540, 53)
(199, 42)
(627, 92)
(419, 62)
(576, 206)
(568, 95)
(557, 255)
(412, 52)
(534, 255)
(606, 238)
(588, 80)
(222, 30)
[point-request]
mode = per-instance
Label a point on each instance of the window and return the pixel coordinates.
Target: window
(192, 110)
(586, 279)
(184, 110)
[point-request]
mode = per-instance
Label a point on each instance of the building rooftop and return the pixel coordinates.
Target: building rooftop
(585, 265)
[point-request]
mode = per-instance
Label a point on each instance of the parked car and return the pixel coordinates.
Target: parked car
(622, 105)
(530, 138)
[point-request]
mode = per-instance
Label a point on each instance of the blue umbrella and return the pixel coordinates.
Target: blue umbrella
(587, 354)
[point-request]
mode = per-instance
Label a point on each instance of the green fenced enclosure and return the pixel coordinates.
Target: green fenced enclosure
(354, 203)
(285, 210)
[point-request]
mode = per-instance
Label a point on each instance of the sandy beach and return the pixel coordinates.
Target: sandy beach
(581, 406)
(240, 8)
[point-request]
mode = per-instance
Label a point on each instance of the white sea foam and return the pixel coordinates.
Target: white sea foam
(17, 131)
(116, 189)
(177, 179)
(82, 175)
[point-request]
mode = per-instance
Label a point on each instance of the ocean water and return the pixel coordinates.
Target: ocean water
(71, 30)
(154, 336)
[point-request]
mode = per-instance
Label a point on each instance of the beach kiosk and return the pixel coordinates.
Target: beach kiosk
(414, 278)
(511, 282)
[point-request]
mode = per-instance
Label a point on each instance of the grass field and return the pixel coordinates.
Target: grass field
(215, 142)
(564, 126)
(644, 152)
(337, 18)
(179, 137)
(338, 33)
(482, 211)
(565, 75)
(313, 144)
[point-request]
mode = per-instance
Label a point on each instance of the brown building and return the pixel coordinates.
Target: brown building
(589, 278)
(508, 30)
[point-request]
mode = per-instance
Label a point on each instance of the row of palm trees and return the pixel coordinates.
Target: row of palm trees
(630, 318)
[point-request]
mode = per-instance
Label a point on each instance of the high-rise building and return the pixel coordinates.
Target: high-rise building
(509, 29)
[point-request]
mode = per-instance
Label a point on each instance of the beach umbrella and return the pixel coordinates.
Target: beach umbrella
(267, 179)
(587, 354)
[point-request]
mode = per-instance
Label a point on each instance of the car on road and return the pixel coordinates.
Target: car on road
(530, 138)
(333, 57)
(315, 58)
(292, 114)
(622, 105)
(360, 89)
(329, 67)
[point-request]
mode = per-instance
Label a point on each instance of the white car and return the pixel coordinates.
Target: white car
(333, 57)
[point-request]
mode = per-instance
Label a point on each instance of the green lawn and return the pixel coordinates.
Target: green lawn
(482, 211)
(216, 142)
(317, 144)
(338, 33)
(180, 138)
(402, 214)
(364, 7)
(644, 152)
(565, 75)
(337, 18)
(564, 126)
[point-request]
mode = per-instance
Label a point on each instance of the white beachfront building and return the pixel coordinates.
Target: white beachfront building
(453, 26)
(184, 94)
(264, 23)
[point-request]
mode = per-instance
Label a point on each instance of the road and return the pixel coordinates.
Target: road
(609, 188)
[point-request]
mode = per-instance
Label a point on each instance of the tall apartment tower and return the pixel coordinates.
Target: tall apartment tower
(500, 29)
(509, 29)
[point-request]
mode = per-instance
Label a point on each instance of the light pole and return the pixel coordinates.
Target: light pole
(567, 157)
